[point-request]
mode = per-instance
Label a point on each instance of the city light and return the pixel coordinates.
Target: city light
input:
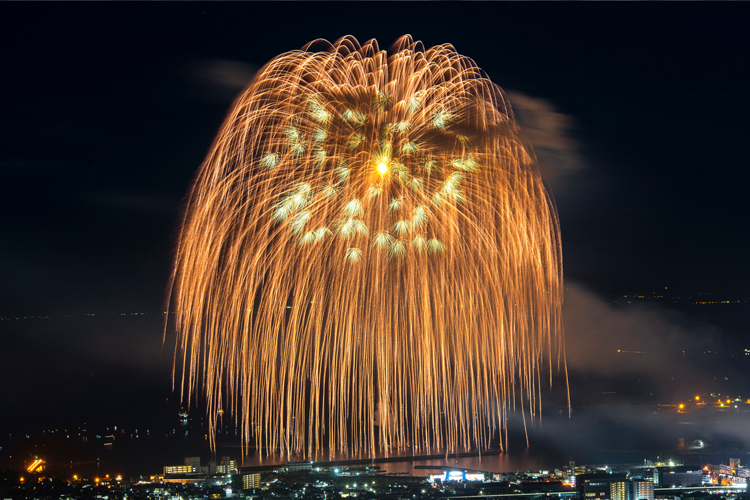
(726, 476)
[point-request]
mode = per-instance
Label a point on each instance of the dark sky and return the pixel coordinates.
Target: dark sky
(109, 108)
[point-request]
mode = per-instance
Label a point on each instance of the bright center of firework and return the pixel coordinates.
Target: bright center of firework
(382, 168)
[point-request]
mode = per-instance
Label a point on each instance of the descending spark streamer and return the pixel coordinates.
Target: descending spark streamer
(369, 259)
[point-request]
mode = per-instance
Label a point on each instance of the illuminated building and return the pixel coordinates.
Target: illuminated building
(573, 470)
(226, 466)
(732, 471)
(181, 469)
(679, 477)
(191, 467)
(619, 490)
(602, 486)
(457, 475)
(295, 466)
(251, 481)
(641, 489)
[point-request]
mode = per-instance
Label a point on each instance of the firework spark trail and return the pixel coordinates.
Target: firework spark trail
(369, 259)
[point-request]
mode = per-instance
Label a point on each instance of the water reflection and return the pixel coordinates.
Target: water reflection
(523, 459)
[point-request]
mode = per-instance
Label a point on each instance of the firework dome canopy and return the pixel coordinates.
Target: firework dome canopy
(369, 259)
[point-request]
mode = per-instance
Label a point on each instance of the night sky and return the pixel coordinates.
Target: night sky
(639, 113)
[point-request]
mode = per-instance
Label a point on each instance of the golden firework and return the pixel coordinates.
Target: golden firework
(369, 259)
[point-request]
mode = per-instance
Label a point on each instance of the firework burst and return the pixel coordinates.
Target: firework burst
(369, 259)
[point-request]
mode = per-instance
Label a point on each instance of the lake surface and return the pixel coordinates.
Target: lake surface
(595, 435)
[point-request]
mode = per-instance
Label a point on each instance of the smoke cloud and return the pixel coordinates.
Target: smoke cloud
(630, 366)
(550, 133)
(218, 80)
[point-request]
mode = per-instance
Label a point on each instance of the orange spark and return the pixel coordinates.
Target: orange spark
(333, 306)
